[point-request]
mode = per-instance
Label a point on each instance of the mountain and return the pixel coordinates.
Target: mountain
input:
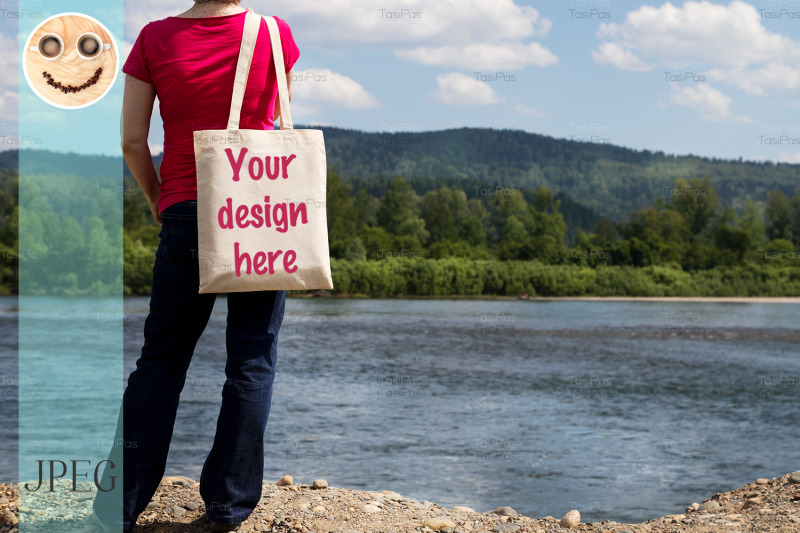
(610, 180)
(600, 179)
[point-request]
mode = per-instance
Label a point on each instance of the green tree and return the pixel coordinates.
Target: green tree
(778, 213)
(513, 239)
(398, 213)
(695, 200)
(444, 211)
(356, 251)
(341, 213)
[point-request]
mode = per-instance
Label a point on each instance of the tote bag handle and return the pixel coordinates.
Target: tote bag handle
(252, 23)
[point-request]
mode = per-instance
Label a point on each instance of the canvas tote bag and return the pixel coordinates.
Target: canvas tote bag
(261, 216)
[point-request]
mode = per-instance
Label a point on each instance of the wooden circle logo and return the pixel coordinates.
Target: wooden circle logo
(71, 60)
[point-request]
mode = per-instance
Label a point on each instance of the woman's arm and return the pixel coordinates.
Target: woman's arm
(137, 107)
(277, 111)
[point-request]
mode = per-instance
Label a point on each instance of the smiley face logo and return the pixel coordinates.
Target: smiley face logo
(71, 60)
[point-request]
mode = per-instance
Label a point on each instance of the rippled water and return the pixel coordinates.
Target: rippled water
(622, 410)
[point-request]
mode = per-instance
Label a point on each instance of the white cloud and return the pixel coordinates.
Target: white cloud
(426, 23)
(482, 57)
(790, 158)
(528, 111)
(9, 69)
(618, 56)
(322, 87)
(711, 103)
(728, 43)
(9, 109)
(459, 89)
(436, 34)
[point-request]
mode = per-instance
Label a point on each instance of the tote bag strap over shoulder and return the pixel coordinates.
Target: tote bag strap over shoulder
(249, 36)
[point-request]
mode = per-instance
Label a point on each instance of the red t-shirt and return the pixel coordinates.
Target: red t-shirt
(191, 62)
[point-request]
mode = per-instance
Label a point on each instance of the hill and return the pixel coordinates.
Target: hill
(611, 181)
(590, 179)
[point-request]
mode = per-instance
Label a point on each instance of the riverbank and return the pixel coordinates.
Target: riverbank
(763, 506)
(700, 299)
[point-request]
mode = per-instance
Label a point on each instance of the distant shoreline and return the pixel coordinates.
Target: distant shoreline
(703, 299)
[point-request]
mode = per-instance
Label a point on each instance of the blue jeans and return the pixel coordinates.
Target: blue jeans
(231, 479)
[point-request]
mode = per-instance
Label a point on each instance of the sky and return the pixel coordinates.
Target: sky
(717, 79)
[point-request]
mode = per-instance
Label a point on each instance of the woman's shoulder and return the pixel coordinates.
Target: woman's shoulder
(283, 26)
(155, 26)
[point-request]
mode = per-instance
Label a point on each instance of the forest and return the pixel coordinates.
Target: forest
(415, 233)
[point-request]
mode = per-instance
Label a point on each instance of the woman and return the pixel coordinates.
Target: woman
(189, 62)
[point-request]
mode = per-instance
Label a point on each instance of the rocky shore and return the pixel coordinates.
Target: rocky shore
(763, 506)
